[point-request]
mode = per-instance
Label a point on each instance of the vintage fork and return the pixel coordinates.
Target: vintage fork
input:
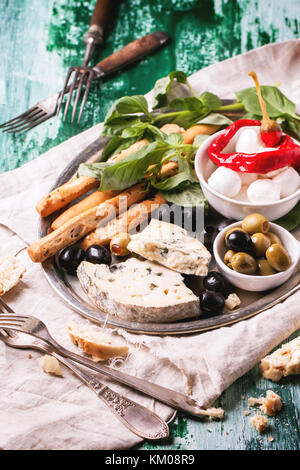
(85, 75)
(141, 421)
(93, 37)
(35, 327)
(47, 108)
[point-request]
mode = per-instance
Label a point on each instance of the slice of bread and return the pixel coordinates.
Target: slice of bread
(11, 271)
(101, 346)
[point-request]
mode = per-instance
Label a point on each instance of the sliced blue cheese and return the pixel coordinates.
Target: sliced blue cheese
(170, 246)
(138, 291)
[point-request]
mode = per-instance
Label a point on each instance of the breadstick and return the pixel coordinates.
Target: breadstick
(133, 148)
(66, 193)
(76, 228)
(190, 134)
(126, 222)
(92, 200)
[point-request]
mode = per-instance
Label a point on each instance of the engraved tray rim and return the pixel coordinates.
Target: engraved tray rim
(61, 285)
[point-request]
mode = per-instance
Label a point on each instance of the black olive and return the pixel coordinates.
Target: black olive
(239, 240)
(70, 258)
(211, 303)
(209, 238)
(98, 254)
(214, 281)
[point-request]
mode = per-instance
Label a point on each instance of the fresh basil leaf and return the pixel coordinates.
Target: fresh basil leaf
(291, 220)
(294, 126)
(215, 119)
(163, 86)
(189, 103)
(94, 170)
(132, 169)
(191, 196)
(137, 130)
(118, 123)
(174, 139)
(184, 177)
(210, 101)
(132, 104)
(276, 102)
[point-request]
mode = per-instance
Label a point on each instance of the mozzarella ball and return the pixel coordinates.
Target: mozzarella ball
(263, 190)
(242, 194)
(288, 182)
(225, 181)
(248, 178)
(247, 142)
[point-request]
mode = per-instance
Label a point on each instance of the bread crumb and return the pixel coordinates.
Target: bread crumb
(252, 401)
(282, 362)
(11, 271)
(272, 404)
(246, 413)
(29, 356)
(270, 438)
(50, 365)
(260, 423)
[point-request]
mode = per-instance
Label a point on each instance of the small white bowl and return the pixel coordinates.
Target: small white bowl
(251, 282)
(231, 208)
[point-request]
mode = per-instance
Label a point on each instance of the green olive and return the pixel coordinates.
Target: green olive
(273, 238)
(264, 267)
(278, 257)
(233, 229)
(118, 244)
(228, 257)
(254, 223)
(260, 243)
(243, 263)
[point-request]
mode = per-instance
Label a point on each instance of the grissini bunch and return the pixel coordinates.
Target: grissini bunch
(127, 221)
(76, 228)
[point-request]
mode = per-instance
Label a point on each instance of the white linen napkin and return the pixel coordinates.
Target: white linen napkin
(39, 411)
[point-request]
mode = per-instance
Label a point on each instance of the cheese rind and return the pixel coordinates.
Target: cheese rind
(138, 291)
(282, 362)
(170, 246)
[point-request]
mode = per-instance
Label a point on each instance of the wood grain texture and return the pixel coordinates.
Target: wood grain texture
(40, 40)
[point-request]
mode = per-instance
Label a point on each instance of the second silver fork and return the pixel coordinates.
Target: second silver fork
(138, 419)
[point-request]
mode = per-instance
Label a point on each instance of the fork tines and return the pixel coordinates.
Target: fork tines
(83, 75)
(25, 121)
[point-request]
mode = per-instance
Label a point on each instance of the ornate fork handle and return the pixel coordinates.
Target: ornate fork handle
(143, 422)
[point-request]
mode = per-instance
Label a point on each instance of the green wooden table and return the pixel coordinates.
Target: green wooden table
(41, 39)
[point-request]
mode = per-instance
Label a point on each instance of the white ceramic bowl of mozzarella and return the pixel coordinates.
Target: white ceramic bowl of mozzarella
(229, 206)
(253, 282)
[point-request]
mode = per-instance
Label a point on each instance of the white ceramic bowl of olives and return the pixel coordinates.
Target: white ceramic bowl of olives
(255, 254)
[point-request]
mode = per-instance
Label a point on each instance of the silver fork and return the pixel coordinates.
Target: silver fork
(35, 327)
(48, 107)
(141, 421)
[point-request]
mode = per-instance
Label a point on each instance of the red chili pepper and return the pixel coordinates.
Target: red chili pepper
(287, 153)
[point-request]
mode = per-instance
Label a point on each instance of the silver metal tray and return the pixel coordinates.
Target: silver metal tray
(69, 289)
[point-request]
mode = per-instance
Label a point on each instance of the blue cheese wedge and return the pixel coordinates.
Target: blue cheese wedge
(138, 291)
(170, 246)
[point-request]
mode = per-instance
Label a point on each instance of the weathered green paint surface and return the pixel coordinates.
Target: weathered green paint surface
(40, 39)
